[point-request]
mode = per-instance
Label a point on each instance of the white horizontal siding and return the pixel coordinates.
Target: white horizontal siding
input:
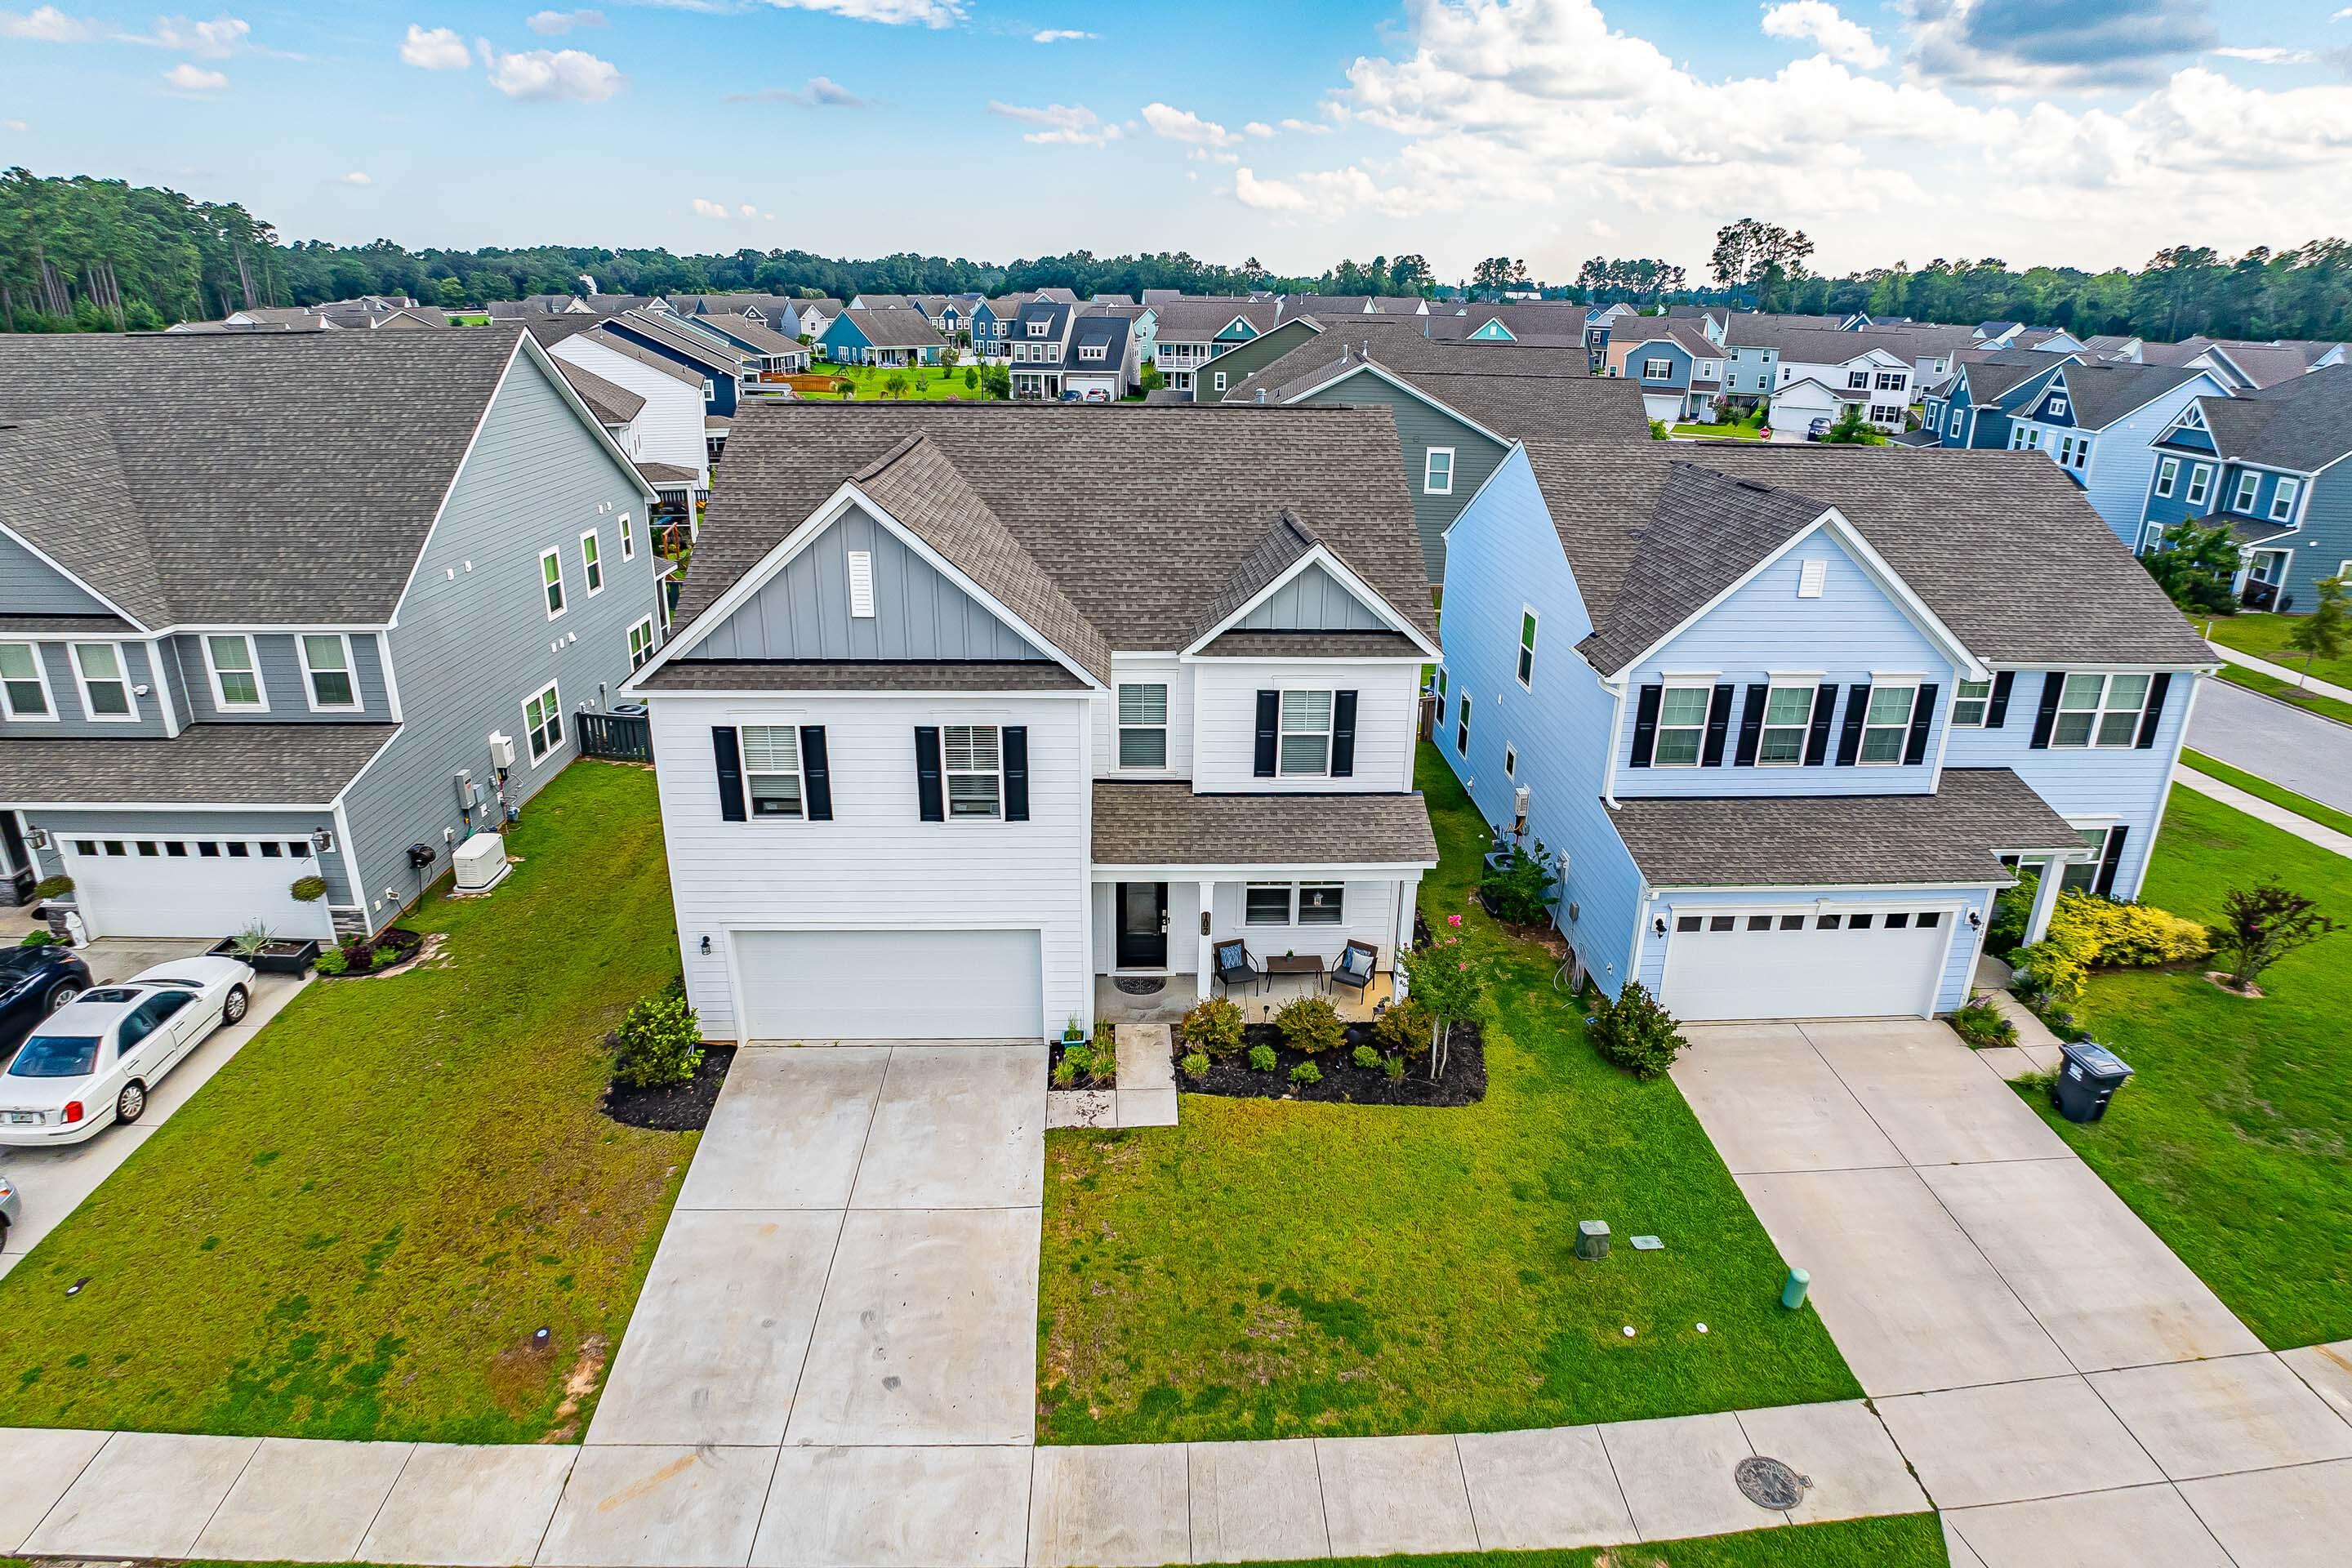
(669, 429)
(1149, 669)
(1225, 722)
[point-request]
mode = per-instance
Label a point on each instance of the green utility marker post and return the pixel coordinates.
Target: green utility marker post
(1792, 1291)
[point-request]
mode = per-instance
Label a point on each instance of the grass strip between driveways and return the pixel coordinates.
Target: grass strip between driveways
(2287, 692)
(354, 1229)
(2263, 789)
(2263, 636)
(2233, 1140)
(1270, 1269)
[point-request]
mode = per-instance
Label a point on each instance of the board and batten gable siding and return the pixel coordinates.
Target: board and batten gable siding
(1855, 627)
(72, 718)
(802, 611)
(1954, 983)
(878, 866)
(1313, 600)
(279, 662)
(287, 826)
(1156, 670)
(1225, 725)
(1506, 561)
(1420, 425)
(2123, 464)
(472, 640)
(29, 586)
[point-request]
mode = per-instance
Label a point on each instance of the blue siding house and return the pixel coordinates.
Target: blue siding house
(1786, 744)
(1972, 409)
(2099, 422)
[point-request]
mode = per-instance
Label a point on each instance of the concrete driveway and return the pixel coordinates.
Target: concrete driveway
(2066, 1390)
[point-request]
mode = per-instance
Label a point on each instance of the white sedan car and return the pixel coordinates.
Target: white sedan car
(97, 1058)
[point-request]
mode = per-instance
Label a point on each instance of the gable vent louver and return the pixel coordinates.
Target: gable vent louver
(861, 585)
(1811, 577)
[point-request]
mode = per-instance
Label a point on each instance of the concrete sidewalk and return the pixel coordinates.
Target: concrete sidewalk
(2065, 1389)
(2281, 672)
(2255, 806)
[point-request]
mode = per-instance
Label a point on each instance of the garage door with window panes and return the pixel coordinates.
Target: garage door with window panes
(184, 887)
(1805, 963)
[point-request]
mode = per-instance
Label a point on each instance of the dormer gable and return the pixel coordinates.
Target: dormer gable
(2054, 404)
(1292, 581)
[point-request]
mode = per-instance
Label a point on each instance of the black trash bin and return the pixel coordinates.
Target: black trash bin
(2088, 1080)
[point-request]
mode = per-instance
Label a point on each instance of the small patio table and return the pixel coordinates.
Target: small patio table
(1294, 964)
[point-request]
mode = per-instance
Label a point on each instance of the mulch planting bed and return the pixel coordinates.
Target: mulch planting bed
(685, 1108)
(404, 943)
(1054, 1059)
(1344, 1082)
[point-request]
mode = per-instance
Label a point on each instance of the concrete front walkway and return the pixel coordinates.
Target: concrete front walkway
(2066, 1390)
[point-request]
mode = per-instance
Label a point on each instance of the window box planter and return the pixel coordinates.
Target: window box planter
(282, 956)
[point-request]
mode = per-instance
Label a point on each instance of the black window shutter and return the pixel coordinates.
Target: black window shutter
(731, 773)
(1817, 739)
(1923, 718)
(927, 792)
(2045, 717)
(1997, 710)
(1719, 725)
(1645, 724)
(1857, 704)
(1269, 729)
(815, 775)
(2153, 714)
(1017, 772)
(2112, 861)
(1343, 734)
(1751, 725)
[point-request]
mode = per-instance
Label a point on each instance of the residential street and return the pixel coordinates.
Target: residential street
(2299, 750)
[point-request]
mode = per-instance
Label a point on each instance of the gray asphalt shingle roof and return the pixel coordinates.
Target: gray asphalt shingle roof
(608, 401)
(1163, 823)
(210, 764)
(2105, 391)
(2304, 424)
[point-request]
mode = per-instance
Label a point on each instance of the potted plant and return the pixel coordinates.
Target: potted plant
(1073, 1031)
(47, 891)
(254, 944)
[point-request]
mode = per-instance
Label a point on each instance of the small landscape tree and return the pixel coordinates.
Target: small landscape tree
(1442, 977)
(2195, 566)
(896, 383)
(1852, 430)
(2328, 630)
(2262, 924)
(1152, 380)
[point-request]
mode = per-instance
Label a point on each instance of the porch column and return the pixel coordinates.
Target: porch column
(1202, 925)
(2045, 900)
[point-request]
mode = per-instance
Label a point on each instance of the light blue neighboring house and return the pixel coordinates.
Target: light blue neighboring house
(2099, 423)
(1784, 740)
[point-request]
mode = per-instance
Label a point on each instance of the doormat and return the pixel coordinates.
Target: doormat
(1141, 985)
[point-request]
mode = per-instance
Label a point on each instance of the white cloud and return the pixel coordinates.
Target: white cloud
(1327, 195)
(709, 209)
(569, 76)
(748, 210)
(555, 23)
(14, 125)
(439, 50)
(195, 78)
(890, 13)
(45, 25)
(359, 178)
(2269, 55)
(1183, 125)
(822, 93)
(1600, 228)
(1071, 124)
(1257, 128)
(1821, 24)
(214, 40)
(1058, 35)
(1306, 127)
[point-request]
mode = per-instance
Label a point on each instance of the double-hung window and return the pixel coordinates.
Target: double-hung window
(2168, 476)
(1857, 381)
(1143, 725)
(2099, 710)
(542, 722)
(1527, 649)
(1306, 740)
(1952, 426)
(105, 689)
(1305, 903)
(1971, 701)
(327, 670)
(1437, 472)
(1462, 728)
(641, 643)
(2201, 483)
(1886, 724)
(2249, 485)
(237, 678)
(628, 538)
(551, 577)
(973, 767)
(1682, 726)
(24, 682)
(2081, 875)
(1657, 370)
(1788, 711)
(2283, 500)
(592, 562)
(1889, 380)
(1320, 903)
(1266, 904)
(771, 770)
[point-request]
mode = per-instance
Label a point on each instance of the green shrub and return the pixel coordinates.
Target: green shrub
(1367, 1058)
(1097, 1065)
(359, 953)
(332, 962)
(52, 888)
(1636, 1034)
(384, 957)
(1520, 890)
(2088, 932)
(1982, 1025)
(1065, 1072)
(1405, 1029)
(2011, 908)
(1394, 1067)
(1195, 1065)
(1261, 1058)
(1311, 1024)
(1306, 1072)
(1214, 1026)
(40, 937)
(658, 1043)
(308, 889)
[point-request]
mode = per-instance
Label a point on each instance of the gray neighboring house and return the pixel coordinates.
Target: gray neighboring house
(265, 599)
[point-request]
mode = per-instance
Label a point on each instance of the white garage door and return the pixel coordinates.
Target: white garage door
(130, 884)
(1667, 407)
(891, 985)
(1803, 963)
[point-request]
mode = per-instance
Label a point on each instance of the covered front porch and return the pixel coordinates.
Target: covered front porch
(1116, 1002)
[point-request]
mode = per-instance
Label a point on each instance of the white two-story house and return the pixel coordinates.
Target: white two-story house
(956, 722)
(1787, 738)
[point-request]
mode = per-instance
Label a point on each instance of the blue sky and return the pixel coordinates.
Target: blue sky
(2087, 133)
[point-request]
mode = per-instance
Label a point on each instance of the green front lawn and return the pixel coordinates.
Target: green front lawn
(2234, 1139)
(939, 382)
(1722, 432)
(2263, 789)
(2288, 692)
(1269, 1268)
(1905, 1541)
(356, 1226)
(2265, 637)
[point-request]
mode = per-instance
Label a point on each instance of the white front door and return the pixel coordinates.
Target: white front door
(176, 884)
(890, 984)
(1805, 961)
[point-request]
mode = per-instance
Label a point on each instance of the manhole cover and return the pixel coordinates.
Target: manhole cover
(1768, 1483)
(1141, 985)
